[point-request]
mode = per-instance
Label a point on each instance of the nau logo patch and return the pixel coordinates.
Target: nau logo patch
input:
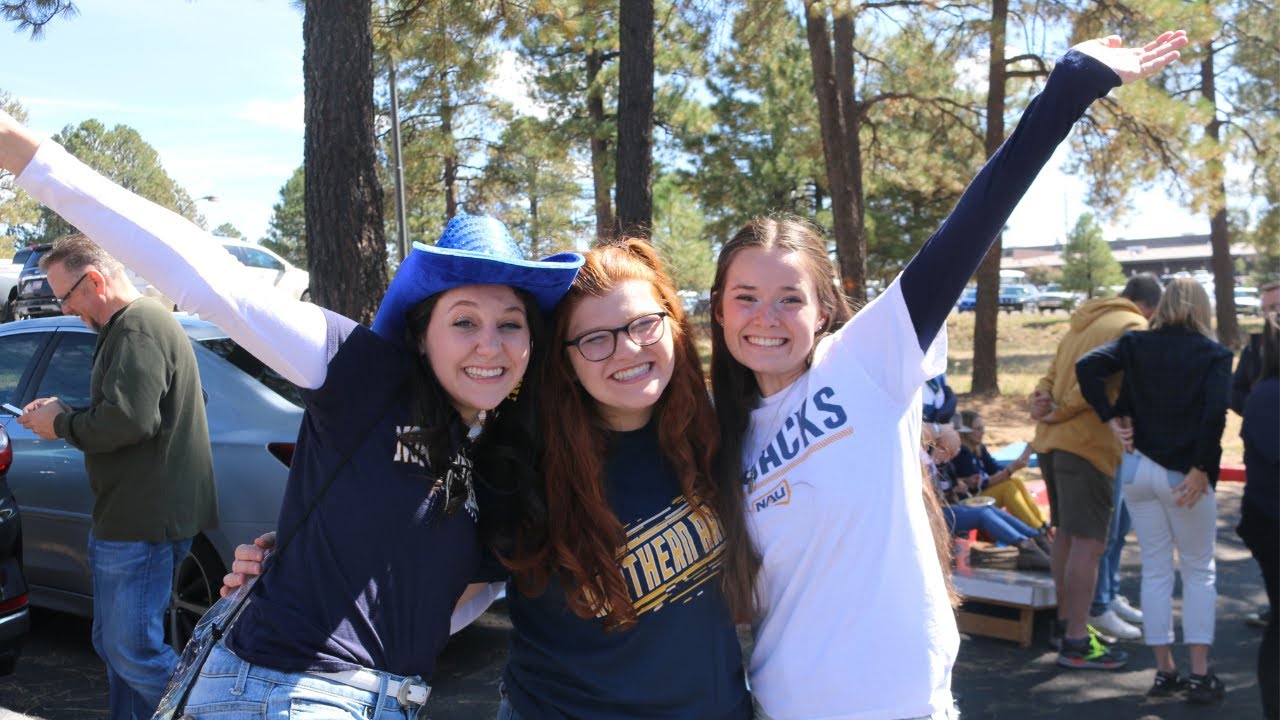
(774, 496)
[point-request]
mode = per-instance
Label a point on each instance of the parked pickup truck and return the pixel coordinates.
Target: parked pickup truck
(1053, 297)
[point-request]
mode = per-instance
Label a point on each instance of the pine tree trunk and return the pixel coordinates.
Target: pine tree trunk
(987, 309)
(599, 148)
(1219, 231)
(635, 117)
(853, 252)
(346, 243)
(831, 123)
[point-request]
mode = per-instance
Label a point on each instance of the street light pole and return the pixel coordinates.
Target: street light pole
(402, 230)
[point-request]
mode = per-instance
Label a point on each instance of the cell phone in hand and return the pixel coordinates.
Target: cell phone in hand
(12, 408)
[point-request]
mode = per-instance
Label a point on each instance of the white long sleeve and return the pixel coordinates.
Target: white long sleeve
(184, 263)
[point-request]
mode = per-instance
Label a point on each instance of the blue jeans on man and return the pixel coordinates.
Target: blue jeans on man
(1108, 586)
(132, 583)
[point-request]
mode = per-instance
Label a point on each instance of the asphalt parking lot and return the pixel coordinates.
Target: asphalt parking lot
(59, 677)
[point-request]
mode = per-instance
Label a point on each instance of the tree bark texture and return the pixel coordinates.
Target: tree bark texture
(831, 122)
(852, 251)
(987, 310)
(635, 117)
(599, 148)
(1219, 230)
(346, 243)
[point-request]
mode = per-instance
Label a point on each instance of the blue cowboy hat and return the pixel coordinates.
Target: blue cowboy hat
(474, 250)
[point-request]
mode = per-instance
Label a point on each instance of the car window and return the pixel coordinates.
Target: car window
(17, 353)
(20, 257)
(33, 260)
(259, 259)
(229, 350)
(67, 375)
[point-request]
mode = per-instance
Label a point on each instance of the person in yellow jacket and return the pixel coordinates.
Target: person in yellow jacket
(1079, 456)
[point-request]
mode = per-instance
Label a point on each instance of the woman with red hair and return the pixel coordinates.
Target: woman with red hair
(631, 563)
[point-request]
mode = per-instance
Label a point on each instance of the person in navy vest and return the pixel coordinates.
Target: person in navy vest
(402, 418)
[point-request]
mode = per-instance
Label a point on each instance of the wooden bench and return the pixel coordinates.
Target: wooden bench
(1000, 603)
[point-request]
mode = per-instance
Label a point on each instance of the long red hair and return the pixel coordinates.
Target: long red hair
(581, 540)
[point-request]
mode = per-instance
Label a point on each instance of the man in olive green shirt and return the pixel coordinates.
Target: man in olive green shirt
(145, 440)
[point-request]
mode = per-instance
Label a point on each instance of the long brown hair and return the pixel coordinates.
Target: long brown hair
(734, 385)
(581, 540)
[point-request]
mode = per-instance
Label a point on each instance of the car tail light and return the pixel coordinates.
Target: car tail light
(282, 452)
(32, 287)
(6, 451)
(13, 604)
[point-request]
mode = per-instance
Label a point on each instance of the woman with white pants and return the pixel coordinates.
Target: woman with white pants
(1170, 414)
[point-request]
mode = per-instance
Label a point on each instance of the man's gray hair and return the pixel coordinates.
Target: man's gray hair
(76, 252)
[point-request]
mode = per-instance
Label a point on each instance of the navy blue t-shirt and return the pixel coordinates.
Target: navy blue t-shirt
(681, 659)
(370, 580)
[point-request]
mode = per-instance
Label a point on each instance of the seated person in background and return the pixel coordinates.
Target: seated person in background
(939, 400)
(984, 475)
(1000, 525)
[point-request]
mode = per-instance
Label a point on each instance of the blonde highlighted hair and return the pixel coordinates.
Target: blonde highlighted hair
(1185, 305)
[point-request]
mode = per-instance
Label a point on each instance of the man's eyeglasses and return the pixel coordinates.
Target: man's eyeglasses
(599, 345)
(67, 294)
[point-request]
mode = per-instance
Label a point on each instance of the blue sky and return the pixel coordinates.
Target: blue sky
(215, 86)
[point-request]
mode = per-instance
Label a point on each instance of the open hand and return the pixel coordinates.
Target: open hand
(1135, 63)
(1192, 488)
(1122, 428)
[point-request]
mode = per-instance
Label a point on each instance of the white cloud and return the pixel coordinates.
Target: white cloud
(282, 114)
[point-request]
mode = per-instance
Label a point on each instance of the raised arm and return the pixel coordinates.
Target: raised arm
(935, 277)
(177, 257)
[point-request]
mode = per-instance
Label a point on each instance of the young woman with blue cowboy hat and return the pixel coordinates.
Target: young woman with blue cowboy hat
(349, 623)
(630, 562)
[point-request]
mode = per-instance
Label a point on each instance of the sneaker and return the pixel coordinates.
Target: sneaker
(1205, 689)
(1110, 623)
(1090, 653)
(1166, 684)
(1103, 638)
(1258, 619)
(1127, 612)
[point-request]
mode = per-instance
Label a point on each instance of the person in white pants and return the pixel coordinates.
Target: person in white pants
(1171, 412)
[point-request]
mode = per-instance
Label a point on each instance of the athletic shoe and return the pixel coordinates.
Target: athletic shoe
(1110, 623)
(1205, 689)
(1090, 653)
(1059, 628)
(1258, 619)
(1127, 612)
(1166, 684)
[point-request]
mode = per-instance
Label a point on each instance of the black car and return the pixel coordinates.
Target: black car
(34, 298)
(15, 617)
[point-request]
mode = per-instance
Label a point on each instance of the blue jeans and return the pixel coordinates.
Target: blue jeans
(132, 584)
(231, 689)
(995, 522)
(1108, 585)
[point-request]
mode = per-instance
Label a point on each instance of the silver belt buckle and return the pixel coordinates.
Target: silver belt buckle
(406, 686)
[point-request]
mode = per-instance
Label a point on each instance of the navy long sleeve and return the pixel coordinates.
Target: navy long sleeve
(935, 277)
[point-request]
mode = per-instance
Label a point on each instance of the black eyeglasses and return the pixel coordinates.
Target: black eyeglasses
(67, 294)
(600, 345)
